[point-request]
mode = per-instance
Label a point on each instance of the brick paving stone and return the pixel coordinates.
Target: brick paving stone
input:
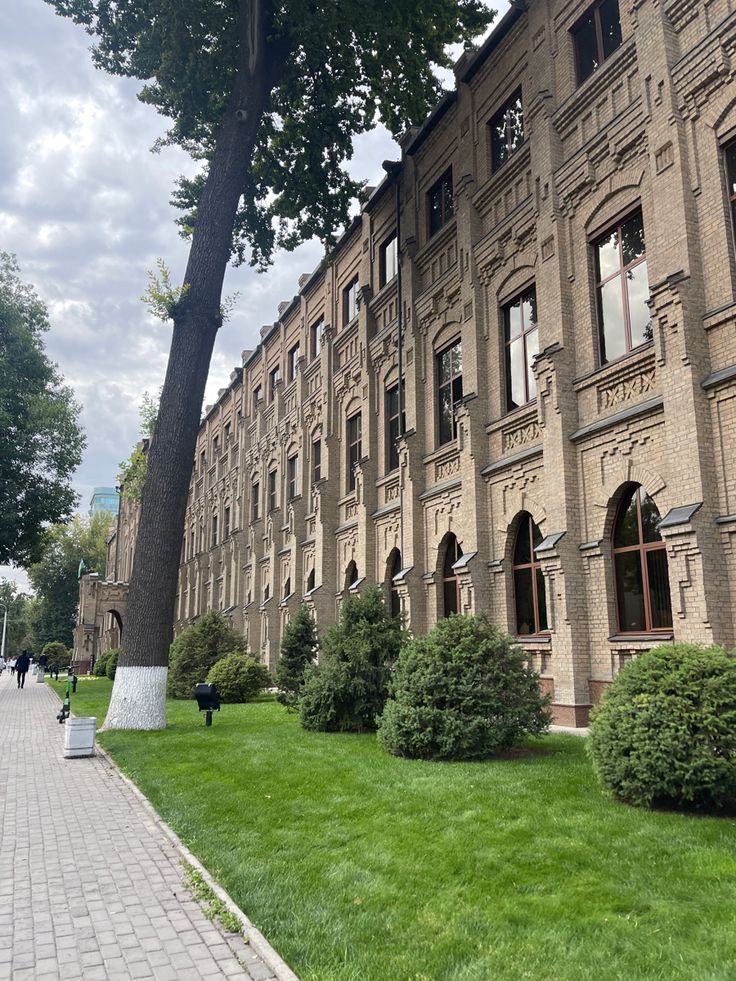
(104, 896)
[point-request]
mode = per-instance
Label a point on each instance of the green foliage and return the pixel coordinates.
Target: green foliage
(132, 472)
(17, 636)
(100, 667)
(161, 297)
(665, 732)
(462, 692)
(332, 71)
(40, 439)
(214, 907)
(348, 691)
(298, 651)
(239, 677)
(111, 662)
(199, 648)
(54, 576)
(58, 656)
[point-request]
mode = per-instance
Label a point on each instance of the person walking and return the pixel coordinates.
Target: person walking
(21, 668)
(12, 666)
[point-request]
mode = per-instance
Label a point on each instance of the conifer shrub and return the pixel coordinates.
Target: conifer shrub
(100, 667)
(347, 692)
(462, 692)
(665, 731)
(239, 677)
(199, 648)
(298, 652)
(111, 664)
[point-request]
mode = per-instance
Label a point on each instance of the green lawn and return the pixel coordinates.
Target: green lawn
(359, 866)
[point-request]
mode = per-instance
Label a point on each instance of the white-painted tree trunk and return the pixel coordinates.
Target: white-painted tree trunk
(138, 699)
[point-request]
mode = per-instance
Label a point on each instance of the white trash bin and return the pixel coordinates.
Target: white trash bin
(39, 675)
(79, 737)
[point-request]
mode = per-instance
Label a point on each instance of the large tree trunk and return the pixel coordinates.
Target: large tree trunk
(139, 692)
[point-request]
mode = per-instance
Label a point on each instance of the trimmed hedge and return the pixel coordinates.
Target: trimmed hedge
(239, 677)
(462, 692)
(665, 732)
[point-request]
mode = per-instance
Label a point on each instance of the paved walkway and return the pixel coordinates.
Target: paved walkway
(90, 885)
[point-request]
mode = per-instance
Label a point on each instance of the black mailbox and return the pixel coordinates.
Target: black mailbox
(208, 699)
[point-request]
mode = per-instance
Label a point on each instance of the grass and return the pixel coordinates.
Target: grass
(361, 867)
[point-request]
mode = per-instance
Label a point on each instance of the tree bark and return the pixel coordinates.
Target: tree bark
(139, 692)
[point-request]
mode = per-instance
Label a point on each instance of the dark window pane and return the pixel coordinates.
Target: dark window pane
(609, 260)
(637, 285)
(515, 126)
(499, 151)
(456, 358)
(731, 169)
(532, 350)
(529, 308)
(632, 239)
(629, 591)
(515, 368)
(522, 551)
(450, 597)
(457, 389)
(446, 416)
(393, 448)
(649, 518)
(627, 524)
(659, 588)
(447, 201)
(586, 48)
(541, 602)
(612, 318)
(610, 26)
(524, 602)
(444, 367)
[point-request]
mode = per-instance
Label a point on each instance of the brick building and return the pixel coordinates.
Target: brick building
(566, 287)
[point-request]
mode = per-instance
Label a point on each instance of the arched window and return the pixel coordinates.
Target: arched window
(450, 581)
(529, 589)
(394, 568)
(351, 574)
(640, 565)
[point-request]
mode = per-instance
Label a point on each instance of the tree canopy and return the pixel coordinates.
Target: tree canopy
(40, 439)
(18, 605)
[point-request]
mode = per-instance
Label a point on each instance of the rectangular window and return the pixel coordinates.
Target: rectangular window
(507, 131)
(392, 428)
(350, 302)
(315, 338)
(622, 289)
(522, 346)
(214, 530)
(257, 397)
(292, 476)
(274, 377)
(388, 260)
(255, 499)
(731, 177)
(449, 391)
(227, 433)
(293, 362)
(202, 461)
(596, 35)
(215, 446)
(440, 203)
(354, 447)
(272, 491)
(226, 524)
(316, 460)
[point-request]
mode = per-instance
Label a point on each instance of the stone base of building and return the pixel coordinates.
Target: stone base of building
(575, 716)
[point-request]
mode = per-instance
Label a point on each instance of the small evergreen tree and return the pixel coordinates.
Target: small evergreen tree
(347, 693)
(197, 649)
(58, 656)
(239, 677)
(111, 664)
(298, 652)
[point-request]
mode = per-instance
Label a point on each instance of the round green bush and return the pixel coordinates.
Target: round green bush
(665, 732)
(58, 656)
(100, 668)
(111, 665)
(199, 648)
(462, 692)
(239, 677)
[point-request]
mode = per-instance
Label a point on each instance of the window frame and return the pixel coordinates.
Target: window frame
(273, 496)
(504, 112)
(349, 300)
(274, 377)
(213, 532)
(226, 524)
(316, 460)
(446, 202)
(452, 576)
(575, 31)
(315, 339)
(522, 337)
(292, 361)
(255, 500)
(354, 446)
(447, 384)
(527, 524)
(615, 226)
(392, 449)
(383, 253)
(257, 397)
(292, 476)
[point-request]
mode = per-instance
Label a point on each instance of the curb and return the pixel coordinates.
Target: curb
(256, 941)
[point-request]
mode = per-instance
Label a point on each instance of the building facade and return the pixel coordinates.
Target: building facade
(561, 453)
(104, 499)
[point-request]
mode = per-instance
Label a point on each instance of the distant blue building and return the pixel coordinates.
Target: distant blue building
(104, 499)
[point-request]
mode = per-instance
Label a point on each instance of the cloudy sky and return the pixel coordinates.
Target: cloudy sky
(84, 204)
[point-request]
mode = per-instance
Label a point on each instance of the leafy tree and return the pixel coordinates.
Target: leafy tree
(269, 96)
(58, 657)
(199, 648)
(298, 651)
(462, 692)
(348, 691)
(239, 677)
(40, 440)
(132, 474)
(18, 605)
(54, 576)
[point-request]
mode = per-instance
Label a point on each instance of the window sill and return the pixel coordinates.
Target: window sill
(642, 353)
(447, 449)
(641, 638)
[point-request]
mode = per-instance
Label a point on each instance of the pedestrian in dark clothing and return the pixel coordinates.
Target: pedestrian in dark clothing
(21, 668)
